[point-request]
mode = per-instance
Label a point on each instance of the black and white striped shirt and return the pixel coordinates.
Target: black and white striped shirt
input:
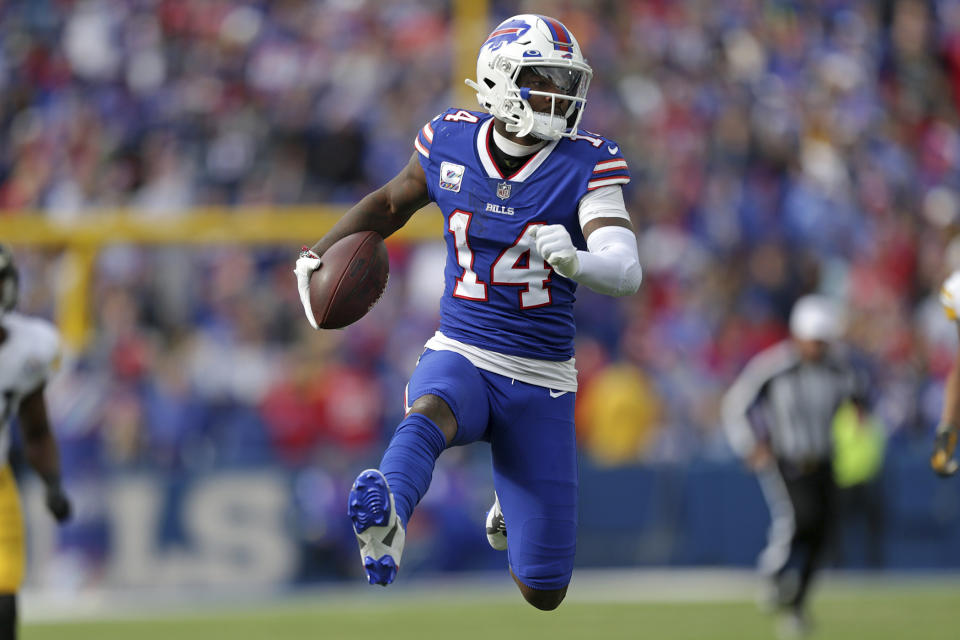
(788, 402)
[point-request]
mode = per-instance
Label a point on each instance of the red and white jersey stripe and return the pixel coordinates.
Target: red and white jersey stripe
(609, 172)
(424, 139)
(610, 165)
(605, 182)
(428, 132)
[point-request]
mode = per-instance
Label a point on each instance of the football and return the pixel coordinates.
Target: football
(351, 278)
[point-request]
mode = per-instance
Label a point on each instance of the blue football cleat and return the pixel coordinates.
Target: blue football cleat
(379, 531)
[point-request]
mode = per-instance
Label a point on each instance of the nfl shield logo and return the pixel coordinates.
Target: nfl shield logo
(503, 190)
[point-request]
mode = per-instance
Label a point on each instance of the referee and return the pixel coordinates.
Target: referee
(778, 417)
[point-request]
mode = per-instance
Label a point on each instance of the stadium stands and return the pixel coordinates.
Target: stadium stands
(777, 147)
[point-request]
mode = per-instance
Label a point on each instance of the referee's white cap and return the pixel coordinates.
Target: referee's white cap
(816, 317)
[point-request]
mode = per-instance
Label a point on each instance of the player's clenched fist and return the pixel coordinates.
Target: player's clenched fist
(553, 242)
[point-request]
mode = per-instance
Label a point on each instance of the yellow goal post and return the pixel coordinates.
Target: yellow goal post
(82, 239)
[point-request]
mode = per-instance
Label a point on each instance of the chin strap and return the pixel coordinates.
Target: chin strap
(522, 131)
(551, 122)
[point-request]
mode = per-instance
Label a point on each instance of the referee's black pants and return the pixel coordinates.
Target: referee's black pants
(812, 493)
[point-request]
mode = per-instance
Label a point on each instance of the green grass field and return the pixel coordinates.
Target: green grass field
(869, 611)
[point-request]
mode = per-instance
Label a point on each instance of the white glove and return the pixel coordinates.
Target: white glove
(307, 263)
(553, 243)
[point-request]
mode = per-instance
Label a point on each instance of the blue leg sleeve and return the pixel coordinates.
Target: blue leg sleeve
(408, 461)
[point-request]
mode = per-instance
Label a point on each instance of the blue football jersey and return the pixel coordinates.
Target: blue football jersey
(499, 294)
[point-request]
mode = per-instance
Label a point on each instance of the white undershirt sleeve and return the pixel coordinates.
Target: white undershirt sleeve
(605, 202)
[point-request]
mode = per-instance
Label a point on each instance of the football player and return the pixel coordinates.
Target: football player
(29, 349)
(532, 207)
(945, 440)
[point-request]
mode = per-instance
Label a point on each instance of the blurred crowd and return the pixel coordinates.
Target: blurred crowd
(777, 148)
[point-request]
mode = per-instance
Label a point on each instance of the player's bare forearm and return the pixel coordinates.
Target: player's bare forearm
(39, 445)
(597, 223)
(384, 210)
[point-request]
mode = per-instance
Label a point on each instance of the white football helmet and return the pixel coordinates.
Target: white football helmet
(548, 49)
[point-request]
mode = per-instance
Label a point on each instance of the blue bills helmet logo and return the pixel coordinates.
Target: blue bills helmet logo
(503, 190)
(509, 31)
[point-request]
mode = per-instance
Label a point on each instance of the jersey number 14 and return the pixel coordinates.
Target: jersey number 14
(508, 269)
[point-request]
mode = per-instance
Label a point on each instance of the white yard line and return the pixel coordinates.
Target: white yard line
(588, 586)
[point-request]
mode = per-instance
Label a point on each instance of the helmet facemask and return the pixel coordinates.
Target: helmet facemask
(506, 100)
